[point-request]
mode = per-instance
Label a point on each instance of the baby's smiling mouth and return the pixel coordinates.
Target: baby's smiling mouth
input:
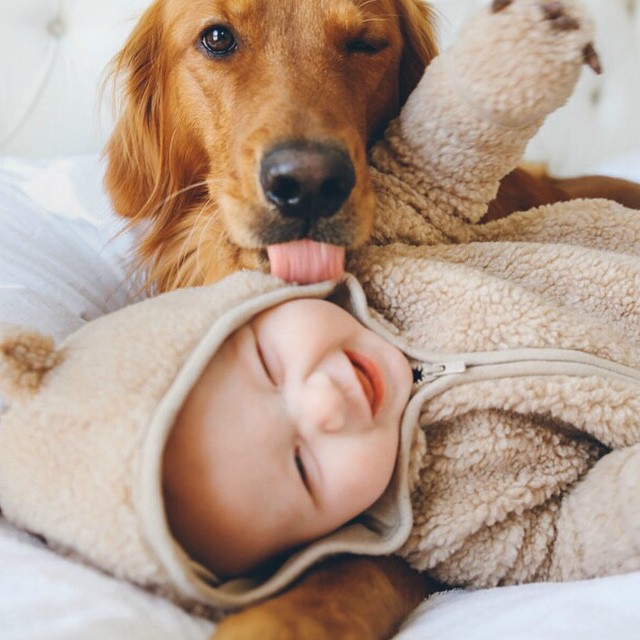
(370, 379)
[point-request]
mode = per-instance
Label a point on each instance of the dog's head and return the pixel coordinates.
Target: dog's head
(245, 126)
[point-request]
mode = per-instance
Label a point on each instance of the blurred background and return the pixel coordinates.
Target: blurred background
(53, 54)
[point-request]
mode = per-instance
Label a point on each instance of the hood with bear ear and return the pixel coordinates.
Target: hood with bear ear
(84, 427)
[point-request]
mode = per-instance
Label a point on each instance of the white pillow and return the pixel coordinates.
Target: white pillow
(63, 252)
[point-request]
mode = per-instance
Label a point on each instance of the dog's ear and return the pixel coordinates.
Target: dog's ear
(417, 21)
(151, 165)
(134, 151)
(25, 358)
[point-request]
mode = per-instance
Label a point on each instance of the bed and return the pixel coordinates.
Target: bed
(63, 261)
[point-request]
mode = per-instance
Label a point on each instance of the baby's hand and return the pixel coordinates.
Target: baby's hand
(518, 60)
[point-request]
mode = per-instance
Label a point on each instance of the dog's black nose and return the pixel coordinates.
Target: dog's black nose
(307, 180)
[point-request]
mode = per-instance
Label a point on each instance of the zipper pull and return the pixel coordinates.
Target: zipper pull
(425, 372)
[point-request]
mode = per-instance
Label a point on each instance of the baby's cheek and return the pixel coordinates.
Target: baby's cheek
(374, 470)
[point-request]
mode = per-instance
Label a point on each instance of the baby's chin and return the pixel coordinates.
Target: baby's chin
(232, 566)
(227, 563)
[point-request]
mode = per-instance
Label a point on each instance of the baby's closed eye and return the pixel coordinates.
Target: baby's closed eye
(300, 467)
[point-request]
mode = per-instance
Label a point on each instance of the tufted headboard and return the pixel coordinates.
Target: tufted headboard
(52, 57)
(53, 53)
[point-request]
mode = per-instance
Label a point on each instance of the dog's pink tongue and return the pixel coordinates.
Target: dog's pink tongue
(306, 261)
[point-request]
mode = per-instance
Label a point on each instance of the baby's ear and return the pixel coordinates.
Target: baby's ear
(25, 358)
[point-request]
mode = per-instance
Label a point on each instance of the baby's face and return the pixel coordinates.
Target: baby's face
(291, 431)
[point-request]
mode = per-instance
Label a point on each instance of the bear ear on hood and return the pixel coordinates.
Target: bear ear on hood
(25, 357)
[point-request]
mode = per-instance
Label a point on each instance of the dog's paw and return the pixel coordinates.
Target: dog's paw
(558, 16)
(520, 59)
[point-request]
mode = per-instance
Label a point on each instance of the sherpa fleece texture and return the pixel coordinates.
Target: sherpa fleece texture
(507, 472)
(533, 475)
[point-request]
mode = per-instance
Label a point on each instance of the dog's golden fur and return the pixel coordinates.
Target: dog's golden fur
(347, 598)
(185, 156)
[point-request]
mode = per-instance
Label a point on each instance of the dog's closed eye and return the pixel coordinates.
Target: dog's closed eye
(366, 46)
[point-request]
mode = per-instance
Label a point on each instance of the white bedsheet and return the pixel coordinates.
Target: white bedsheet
(62, 262)
(45, 596)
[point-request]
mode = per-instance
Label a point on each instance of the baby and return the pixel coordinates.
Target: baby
(214, 443)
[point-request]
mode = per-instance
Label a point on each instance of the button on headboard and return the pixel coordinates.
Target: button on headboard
(53, 52)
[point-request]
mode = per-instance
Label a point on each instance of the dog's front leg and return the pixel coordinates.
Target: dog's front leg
(350, 598)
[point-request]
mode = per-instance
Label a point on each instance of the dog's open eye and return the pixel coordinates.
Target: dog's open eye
(367, 47)
(218, 40)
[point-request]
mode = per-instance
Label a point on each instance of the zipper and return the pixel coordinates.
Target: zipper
(425, 372)
(438, 374)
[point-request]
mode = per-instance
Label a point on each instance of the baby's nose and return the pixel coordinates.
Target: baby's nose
(323, 406)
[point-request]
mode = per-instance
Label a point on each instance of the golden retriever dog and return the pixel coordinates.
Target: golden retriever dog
(245, 126)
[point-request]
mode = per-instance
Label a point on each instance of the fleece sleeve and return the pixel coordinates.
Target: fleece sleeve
(467, 123)
(598, 529)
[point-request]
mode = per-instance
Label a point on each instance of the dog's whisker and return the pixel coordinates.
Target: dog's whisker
(366, 4)
(190, 246)
(185, 247)
(377, 19)
(208, 221)
(177, 194)
(205, 240)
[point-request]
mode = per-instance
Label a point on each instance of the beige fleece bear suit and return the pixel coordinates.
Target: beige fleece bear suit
(518, 457)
